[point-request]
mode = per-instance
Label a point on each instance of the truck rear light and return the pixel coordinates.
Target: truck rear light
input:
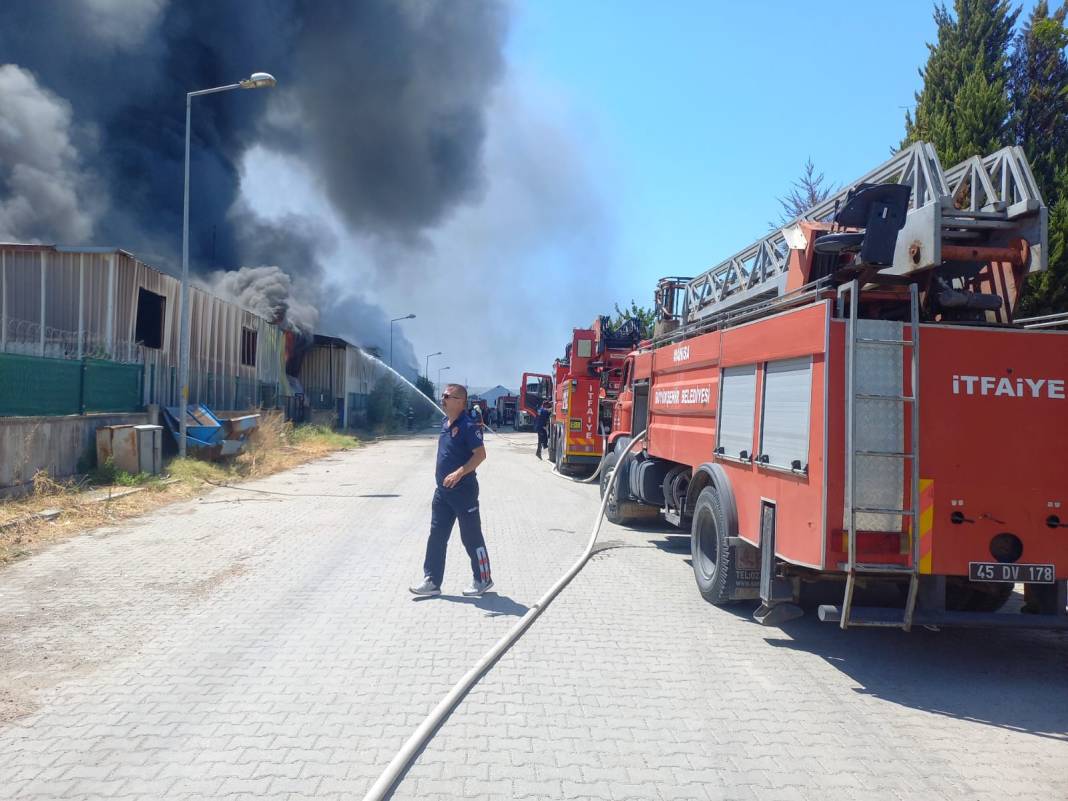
(1006, 548)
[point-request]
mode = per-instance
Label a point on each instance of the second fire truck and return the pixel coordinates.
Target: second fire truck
(587, 382)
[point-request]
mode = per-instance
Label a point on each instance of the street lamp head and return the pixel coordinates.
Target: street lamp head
(410, 317)
(438, 353)
(259, 80)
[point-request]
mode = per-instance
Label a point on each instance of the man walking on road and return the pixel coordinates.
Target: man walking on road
(542, 425)
(460, 452)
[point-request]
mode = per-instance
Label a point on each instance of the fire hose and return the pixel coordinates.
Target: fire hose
(591, 478)
(422, 735)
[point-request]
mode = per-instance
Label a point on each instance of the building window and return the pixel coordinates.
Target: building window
(149, 325)
(248, 347)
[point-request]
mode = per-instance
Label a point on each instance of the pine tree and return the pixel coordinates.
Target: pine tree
(963, 108)
(806, 192)
(1038, 87)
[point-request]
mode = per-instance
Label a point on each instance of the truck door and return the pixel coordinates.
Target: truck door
(640, 418)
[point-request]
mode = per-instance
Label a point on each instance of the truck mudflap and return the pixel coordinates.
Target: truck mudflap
(744, 583)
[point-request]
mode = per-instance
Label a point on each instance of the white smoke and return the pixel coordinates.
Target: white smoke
(45, 191)
(122, 24)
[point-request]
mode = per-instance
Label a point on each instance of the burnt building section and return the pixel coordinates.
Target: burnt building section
(337, 378)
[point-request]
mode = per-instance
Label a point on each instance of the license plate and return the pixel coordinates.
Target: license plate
(997, 571)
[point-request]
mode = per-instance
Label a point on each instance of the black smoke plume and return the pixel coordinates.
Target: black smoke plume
(384, 100)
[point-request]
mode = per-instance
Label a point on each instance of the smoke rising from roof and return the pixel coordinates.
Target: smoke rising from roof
(268, 291)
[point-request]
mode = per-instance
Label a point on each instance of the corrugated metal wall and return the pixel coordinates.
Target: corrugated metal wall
(73, 304)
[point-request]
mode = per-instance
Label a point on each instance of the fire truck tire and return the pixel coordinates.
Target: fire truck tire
(963, 595)
(558, 456)
(552, 445)
(710, 549)
(613, 510)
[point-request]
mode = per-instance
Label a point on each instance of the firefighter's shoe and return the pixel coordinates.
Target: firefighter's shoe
(428, 588)
(538, 453)
(477, 588)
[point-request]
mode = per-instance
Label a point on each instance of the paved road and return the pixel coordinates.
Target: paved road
(261, 645)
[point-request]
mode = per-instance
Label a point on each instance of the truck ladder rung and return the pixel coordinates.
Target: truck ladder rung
(872, 341)
(889, 568)
(902, 398)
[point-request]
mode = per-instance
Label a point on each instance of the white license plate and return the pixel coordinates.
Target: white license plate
(1012, 574)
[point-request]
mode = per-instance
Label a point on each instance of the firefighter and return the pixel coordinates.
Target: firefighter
(460, 452)
(476, 416)
(542, 426)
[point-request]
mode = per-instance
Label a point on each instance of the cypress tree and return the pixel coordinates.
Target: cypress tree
(1038, 87)
(963, 107)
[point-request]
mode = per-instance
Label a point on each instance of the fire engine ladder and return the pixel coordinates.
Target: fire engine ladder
(758, 273)
(860, 337)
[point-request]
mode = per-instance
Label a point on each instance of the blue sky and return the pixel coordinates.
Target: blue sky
(700, 114)
(628, 141)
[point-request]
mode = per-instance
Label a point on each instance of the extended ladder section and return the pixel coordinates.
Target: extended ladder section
(877, 459)
(991, 201)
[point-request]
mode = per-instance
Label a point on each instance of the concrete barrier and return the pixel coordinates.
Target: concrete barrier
(62, 446)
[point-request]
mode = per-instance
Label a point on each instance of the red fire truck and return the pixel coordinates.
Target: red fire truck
(852, 398)
(588, 380)
(535, 389)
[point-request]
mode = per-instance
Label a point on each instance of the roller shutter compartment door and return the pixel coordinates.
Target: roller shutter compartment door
(787, 400)
(736, 412)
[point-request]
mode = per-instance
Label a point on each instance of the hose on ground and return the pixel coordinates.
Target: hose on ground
(422, 735)
(591, 478)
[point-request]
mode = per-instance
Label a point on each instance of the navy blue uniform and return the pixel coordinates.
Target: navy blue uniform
(456, 445)
(542, 426)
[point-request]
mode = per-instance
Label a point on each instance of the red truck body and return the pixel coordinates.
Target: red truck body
(588, 380)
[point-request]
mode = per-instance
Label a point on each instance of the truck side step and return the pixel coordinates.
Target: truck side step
(881, 617)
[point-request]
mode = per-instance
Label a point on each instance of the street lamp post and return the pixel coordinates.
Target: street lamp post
(439, 377)
(426, 372)
(258, 80)
(391, 322)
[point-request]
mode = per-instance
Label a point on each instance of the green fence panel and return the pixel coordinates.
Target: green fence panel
(112, 387)
(33, 386)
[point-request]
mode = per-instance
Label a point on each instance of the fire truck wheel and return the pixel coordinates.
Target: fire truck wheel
(558, 457)
(552, 445)
(712, 564)
(963, 595)
(613, 510)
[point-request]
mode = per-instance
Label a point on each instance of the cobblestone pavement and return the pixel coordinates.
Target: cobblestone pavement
(265, 646)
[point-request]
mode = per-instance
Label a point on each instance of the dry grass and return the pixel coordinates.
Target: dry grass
(275, 446)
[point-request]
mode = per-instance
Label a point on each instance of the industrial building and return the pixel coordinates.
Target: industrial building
(90, 337)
